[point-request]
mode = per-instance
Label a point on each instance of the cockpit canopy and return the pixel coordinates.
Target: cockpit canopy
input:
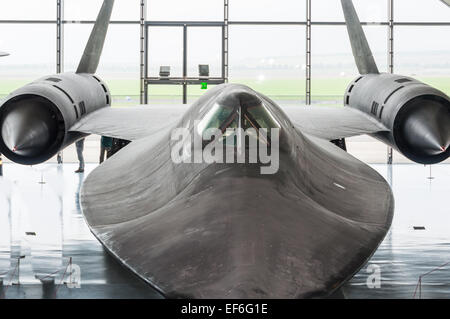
(243, 111)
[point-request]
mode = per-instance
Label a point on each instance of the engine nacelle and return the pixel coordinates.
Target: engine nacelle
(35, 120)
(417, 114)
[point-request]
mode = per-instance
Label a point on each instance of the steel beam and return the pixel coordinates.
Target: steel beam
(185, 23)
(183, 81)
(390, 151)
(146, 65)
(143, 52)
(185, 63)
(59, 36)
(63, 22)
(225, 37)
(308, 52)
(60, 50)
(220, 23)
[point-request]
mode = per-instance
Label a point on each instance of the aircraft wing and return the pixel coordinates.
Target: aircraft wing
(131, 123)
(331, 123)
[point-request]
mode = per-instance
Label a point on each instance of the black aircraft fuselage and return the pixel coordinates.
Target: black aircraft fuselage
(226, 229)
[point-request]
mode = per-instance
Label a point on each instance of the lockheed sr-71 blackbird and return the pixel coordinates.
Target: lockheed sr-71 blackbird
(225, 230)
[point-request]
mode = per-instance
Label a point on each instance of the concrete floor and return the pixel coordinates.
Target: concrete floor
(43, 202)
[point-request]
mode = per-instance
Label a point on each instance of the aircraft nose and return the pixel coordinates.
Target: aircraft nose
(427, 128)
(26, 130)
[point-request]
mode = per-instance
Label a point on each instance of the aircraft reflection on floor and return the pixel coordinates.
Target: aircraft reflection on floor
(46, 226)
(406, 253)
(5, 229)
(56, 231)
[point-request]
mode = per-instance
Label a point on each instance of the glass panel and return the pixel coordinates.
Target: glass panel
(220, 117)
(165, 94)
(28, 10)
(32, 57)
(269, 59)
(423, 56)
(75, 40)
(333, 65)
(182, 10)
(119, 65)
(204, 47)
(262, 117)
(258, 117)
(268, 10)
(331, 10)
(82, 10)
(254, 117)
(421, 11)
(165, 49)
(196, 91)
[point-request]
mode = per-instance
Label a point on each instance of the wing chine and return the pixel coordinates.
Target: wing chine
(131, 123)
(332, 123)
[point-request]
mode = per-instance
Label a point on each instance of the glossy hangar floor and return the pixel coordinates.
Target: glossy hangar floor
(42, 227)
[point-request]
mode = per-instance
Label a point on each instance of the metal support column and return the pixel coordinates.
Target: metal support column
(18, 271)
(308, 52)
(184, 64)
(60, 50)
(225, 37)
(59, 36)
(390, 153)
(143, 55)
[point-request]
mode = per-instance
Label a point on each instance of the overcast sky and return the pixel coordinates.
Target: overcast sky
(369, 10)
(36, 44)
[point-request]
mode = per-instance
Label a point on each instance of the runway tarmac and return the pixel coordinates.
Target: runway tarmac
(40, 220)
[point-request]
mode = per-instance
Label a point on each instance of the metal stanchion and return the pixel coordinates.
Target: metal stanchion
(18, 271)
(390, 152)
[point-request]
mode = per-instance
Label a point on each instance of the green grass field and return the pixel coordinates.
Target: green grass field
(322, 88)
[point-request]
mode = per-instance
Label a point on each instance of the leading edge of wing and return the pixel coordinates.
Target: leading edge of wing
(130, 123)
(331, 123)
